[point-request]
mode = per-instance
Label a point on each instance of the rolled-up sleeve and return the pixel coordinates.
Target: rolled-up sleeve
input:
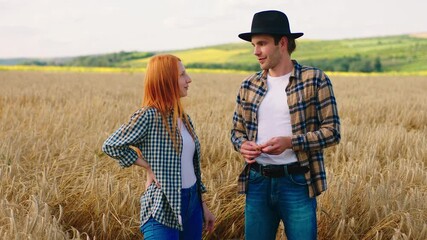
(328, 134)
(238, 131)
(118, 145)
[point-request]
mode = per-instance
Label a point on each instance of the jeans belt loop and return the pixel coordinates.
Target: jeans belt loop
(285, 168)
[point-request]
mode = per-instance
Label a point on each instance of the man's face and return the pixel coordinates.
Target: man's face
(267, 53)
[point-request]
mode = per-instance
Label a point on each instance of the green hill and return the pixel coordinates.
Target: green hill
(403, 53)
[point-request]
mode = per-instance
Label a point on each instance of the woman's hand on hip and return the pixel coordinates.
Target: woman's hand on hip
(151, 178)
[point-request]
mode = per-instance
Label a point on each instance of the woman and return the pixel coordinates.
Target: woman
(172, 206)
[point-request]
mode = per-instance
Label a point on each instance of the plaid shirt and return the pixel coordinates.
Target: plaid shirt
(314, 119)
(147, 132)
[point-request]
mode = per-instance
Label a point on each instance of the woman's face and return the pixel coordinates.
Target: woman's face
(183, 81)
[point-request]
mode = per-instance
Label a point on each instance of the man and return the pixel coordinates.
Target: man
(284, 117)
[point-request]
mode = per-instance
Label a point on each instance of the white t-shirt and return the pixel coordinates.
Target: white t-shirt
(274, 120)
(188, 148)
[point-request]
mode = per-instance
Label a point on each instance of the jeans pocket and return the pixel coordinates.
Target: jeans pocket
(153, 230)
(146, 228)
(255, 177)
(298, 179)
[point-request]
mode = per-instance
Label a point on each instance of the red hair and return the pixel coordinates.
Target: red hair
(161, 90)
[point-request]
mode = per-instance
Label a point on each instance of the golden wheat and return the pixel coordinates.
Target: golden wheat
(57, 184)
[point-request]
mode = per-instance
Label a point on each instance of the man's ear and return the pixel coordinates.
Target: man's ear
(284, 42)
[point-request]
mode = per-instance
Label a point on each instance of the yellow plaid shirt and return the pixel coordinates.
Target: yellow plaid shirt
(314, 118)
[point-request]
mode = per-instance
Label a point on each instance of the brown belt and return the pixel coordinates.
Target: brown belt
(276, 171)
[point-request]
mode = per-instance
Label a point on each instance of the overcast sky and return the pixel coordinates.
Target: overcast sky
(56, 28)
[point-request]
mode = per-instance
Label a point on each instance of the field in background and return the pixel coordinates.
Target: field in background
(399, 53)
(57, 184)
(402, 53)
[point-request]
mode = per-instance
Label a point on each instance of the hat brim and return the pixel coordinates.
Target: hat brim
(248, 36)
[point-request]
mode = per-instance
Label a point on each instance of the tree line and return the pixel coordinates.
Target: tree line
(104, 60)
(356, 63)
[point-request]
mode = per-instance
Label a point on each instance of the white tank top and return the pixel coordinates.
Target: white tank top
(274, 120)
(188, 148)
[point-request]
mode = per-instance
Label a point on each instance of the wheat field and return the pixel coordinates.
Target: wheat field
(57, 184)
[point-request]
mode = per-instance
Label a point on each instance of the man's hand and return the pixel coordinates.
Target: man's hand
(250, 150)
(276, 145)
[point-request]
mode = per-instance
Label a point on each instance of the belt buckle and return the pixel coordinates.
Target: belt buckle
(272, 172)
(265, 171)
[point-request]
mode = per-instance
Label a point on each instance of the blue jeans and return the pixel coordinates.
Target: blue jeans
(192, 220)
(270, 200)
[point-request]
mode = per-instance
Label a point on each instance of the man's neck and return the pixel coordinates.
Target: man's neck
(281, 69)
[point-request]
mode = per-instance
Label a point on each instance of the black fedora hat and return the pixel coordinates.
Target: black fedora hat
(270, 22)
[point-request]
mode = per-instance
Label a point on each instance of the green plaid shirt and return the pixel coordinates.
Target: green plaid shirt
(147, 132)
(314, 118)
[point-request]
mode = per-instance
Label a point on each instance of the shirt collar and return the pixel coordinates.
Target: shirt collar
(296, 72)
